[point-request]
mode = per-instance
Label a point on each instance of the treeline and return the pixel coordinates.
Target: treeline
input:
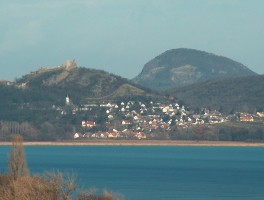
(17, 184)
(247, 132)
(8, 128)
(39, 125)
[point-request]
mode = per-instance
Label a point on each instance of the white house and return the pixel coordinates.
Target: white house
(76, 135)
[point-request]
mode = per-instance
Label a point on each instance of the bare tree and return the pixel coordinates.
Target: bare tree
(17, 165)
(17, 184)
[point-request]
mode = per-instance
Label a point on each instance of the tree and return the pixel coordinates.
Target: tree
(17, 165)
(17, 184)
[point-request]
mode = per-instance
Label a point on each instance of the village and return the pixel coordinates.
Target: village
(145, 120)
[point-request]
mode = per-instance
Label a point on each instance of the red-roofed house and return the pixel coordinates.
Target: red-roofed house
(88, 124)
(140, 135)
(246, 118)
(113, 135)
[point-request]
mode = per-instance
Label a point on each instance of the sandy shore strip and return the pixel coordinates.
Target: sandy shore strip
(141, 143)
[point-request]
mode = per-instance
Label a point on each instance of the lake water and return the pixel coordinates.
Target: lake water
(156, 172)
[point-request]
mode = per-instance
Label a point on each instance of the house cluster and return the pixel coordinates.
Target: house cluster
(141, 120)
(125, 134)
(246, 117)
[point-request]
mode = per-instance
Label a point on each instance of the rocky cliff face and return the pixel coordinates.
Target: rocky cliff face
(181, 67)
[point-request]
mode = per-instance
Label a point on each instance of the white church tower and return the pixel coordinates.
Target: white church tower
(67, 100)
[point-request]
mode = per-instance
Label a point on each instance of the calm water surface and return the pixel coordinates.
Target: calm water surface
(203, 173)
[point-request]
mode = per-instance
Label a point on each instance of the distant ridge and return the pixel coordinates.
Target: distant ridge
(181, 67)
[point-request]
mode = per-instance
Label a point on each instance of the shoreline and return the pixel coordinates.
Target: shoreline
(140, 143)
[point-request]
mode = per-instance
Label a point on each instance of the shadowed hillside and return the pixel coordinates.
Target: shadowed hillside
(243, 94)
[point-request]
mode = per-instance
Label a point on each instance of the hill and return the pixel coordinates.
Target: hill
(54, 83)
(244, 94)
(36, 107)
(181, 67)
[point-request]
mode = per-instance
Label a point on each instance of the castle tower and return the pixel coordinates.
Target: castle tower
(69, 65)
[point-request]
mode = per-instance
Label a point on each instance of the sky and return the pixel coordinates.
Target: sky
(120, 36)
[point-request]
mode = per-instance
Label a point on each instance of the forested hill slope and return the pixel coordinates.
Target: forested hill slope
(181, 67)
(244, 94)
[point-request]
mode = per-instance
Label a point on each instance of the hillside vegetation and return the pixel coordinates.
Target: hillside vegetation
(244, 94)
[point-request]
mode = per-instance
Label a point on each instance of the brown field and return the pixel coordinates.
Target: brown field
(141, 143)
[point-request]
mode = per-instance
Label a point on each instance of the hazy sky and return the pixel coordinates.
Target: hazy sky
(120, 36)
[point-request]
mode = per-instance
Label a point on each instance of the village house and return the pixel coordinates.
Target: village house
(215, 113)
(140, 135)
(189, 119)
(216, 120)
(136, 118)
(260, 114)
(76, 135)
(109, 105)
(165, 109)
(90, 105)
(126, 122)
(88, 124)
(246, 118)
(110, 117)
(103, 105)
(199, 121)
(112, 135)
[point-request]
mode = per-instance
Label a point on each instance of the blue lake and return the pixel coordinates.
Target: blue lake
(156, 172)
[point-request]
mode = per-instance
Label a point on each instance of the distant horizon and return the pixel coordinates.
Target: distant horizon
(120, 36)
